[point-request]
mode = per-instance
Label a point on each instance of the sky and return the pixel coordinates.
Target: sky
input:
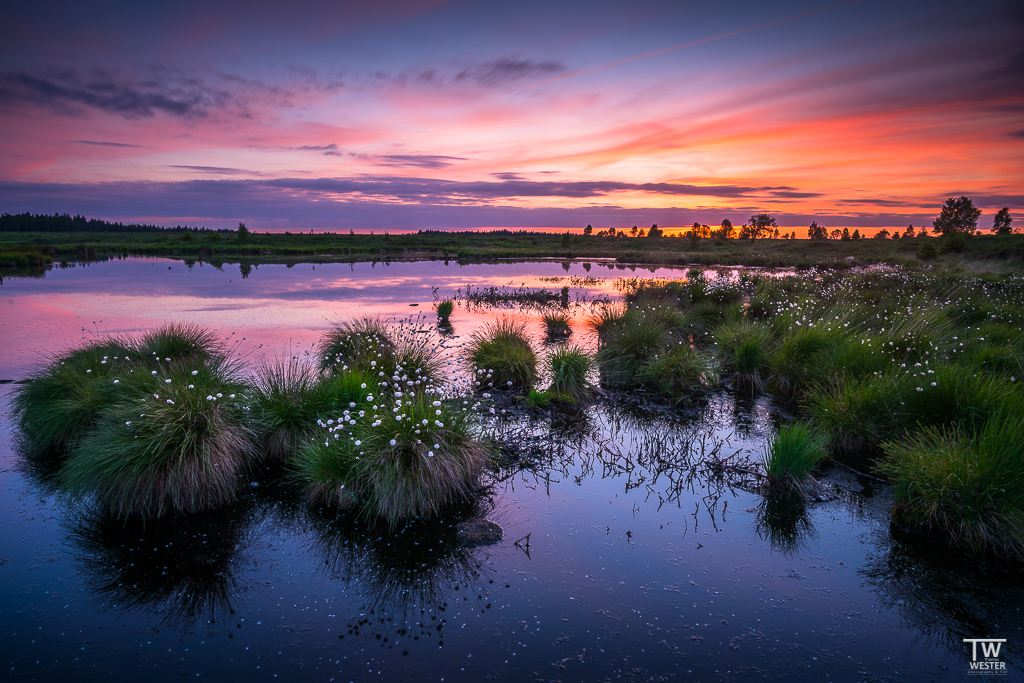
(427, 114)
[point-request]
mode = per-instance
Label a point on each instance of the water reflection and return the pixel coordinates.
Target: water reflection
(181, 570)
(945, 596)
(784, 523)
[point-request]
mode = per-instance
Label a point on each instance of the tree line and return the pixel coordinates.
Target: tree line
(958, 216)
(64, 222)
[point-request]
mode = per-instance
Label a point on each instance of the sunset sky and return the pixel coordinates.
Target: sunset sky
(432, 114)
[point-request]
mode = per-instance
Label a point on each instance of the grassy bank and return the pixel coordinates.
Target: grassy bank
(24, 250)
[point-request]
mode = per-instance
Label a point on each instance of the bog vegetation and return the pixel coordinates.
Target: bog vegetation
(912, 374)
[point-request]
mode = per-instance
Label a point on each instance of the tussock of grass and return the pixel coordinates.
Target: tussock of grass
(860, 414)
(165, 447)
(679, 372)
(744, 347)
(792, 363)
(569, 368)
(502, 350)
(445, 310)
(289, 397)
(556, 325)
(631, 342)
(361, 343)
(179, 342)
(967, 488)
(395, 464)
(790, 458)
(63, 398)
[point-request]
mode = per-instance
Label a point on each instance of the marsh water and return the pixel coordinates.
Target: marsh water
(635, 546)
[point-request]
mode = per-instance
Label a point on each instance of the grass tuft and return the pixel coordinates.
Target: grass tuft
(570, 368)
(790, 458)
(556, 325)
(395, 464)
(361, 343)
(174, 446)
(63, 399)
(967, 488)
(502, 350)
(680, 372)
(445, 310)
(289, 397)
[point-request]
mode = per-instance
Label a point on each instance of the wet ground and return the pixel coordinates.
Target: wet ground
(636, 546)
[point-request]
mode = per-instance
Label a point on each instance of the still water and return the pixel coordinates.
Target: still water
(635, 547)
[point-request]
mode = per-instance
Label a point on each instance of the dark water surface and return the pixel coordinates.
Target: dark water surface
(643, 552)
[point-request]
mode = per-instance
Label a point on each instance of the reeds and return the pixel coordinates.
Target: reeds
(502, 350)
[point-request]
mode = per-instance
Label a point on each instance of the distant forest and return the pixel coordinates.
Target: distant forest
(63, 222)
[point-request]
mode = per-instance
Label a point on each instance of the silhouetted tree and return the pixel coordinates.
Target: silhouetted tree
(909, 231)
(727, 231)
(761, 225)
(588, 230)
(243, 232)
(632, 231)
(1002, 221)
(856, 235)
(882, 234)
(655, 231)
(958, 217)
(845, 237)
(817, 232)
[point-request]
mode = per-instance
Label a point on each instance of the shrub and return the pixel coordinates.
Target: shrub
(968, 488)
(569, 368)
(503, 350)
(790, 458)
(176, 441)
(395, 464)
